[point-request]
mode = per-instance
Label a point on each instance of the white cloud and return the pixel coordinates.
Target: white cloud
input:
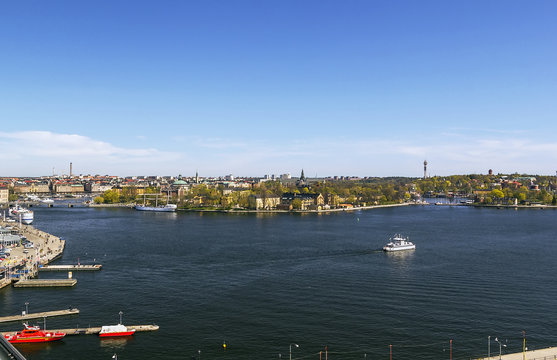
(36, 152)
(29, 150)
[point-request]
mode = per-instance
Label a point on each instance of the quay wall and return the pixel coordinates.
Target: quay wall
(46, 248)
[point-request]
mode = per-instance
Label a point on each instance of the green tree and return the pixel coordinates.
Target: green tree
(111, 196)
(296, 204)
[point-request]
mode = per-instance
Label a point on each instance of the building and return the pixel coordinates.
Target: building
(257, 202)
(68, 188)
(4, 195)
(309, 201)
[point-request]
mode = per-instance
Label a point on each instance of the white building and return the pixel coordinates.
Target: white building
(4, 196)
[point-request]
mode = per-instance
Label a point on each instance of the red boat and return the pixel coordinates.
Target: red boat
(33, 334)
(115, 330)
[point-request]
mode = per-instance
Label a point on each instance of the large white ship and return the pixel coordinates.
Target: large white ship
(399, 243)
(25, 215)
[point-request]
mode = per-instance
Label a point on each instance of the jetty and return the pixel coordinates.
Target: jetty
(45, 283)
(541, 354)
(77, 267)
(96, 330)
(39, 315)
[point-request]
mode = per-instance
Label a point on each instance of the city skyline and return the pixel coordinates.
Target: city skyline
(248, 88)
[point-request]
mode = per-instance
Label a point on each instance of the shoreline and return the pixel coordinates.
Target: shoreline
(370, 207)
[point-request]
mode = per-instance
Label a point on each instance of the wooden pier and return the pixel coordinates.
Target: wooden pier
(95, 267)
(39, 315)
(46, 283)
(96, 330)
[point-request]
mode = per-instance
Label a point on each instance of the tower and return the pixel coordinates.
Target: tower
(425, 169)
(70, 169)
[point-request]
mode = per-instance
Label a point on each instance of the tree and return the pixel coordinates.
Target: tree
(296, 204)
(111, 196)
(497, 194)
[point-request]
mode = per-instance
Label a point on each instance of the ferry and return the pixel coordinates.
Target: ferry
(115, 330)
(26, 215)
(399, 243)
(33, 334)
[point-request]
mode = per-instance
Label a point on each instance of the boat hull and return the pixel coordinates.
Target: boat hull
(14, 339)
(156, 209)
(402, 248)
(115, 334)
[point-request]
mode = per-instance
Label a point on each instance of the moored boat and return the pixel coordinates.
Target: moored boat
(165, 208)
(33, 334)
(25, 215)
(115, 330)
(399, 243)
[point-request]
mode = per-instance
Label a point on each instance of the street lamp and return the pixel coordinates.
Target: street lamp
(504, 345)
(296, 345)
(489, 347)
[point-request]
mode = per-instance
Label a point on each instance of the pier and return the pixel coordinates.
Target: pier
(96, 330)
(541, 354)
(45, 283)
(78, 267)
(39, 315)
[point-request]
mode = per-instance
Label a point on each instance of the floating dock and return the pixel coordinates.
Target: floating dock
(95, 267)
(96, 330)
(39, 315)
(46, 283)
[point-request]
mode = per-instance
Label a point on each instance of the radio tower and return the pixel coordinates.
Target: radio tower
(425, 169)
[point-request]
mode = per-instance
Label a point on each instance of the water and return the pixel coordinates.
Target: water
(261, 282)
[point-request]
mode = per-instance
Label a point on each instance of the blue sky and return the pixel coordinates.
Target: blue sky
(368, 88)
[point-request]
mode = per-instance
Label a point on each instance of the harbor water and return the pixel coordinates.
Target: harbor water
(259, 283)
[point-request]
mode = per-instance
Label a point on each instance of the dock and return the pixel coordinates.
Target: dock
(45, 283)
(4, 283)
(541, 354)
(95, 267)
(39, 315)
(96, 330)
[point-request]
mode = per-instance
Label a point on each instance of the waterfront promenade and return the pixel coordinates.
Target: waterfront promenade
(46, 248)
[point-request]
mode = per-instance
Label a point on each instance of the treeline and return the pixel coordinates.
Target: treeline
(487, 189)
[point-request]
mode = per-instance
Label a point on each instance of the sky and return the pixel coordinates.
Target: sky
(249, 88)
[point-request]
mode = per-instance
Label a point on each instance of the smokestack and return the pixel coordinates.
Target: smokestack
(70, 169)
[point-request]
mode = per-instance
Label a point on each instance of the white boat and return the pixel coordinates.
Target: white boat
(115, 330)
(399, 243)
(158, 208)
(47, 201)
(26, 216)
(162, 208)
